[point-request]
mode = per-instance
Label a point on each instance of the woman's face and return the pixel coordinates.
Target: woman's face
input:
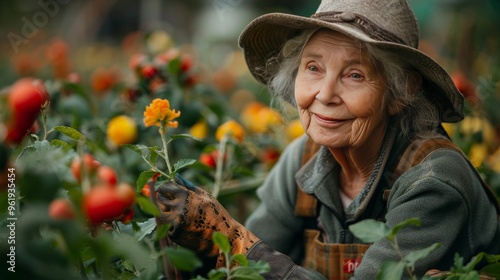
(339, 92)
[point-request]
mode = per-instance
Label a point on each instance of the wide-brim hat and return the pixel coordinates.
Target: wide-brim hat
(389, 25)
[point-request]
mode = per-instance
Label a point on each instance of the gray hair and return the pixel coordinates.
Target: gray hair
(418, 117)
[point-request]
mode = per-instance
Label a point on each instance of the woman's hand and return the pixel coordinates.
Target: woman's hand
(194, 215)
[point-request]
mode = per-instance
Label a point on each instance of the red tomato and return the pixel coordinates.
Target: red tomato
(128, 216)
(91, 165)
(126, 193)
(207, 160)
(186, 63)
(269, 156)
(25, 100)
(149, 71)
(61, 209)
(107, 175)
(104, 204)
(146, 191)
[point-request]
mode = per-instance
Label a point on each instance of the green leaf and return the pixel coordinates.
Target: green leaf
(162, 231)
(245, 272)
(370, 230)
(174, 66)
(183, 163)
(70, 132)
(144, 178)
(396, 228)
(492, 270)
(474, 261)
(126, 246)
(153, 154)
(182, 258)
(61, 144)
(146, 228)
(259, 266)
(240, 259)
(414, 256)
(391, 271)
(147, 206)
(134, 148)
(222, 241)
(458, 265)
(217, 274)
(178, 136)
(492, 258)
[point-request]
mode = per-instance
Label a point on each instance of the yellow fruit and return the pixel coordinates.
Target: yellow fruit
(199, 130)
(294, 129)
(231, 128)
(122, 130)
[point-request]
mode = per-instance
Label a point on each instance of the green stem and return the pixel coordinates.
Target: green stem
(219, 166)
(408, 269)
(154, 167)
(163, 132)
(44, 124)
(228, 266)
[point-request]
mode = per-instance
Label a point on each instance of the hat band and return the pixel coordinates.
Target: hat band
(368, 27)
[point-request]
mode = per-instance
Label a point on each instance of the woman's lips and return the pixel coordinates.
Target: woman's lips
(327, 121)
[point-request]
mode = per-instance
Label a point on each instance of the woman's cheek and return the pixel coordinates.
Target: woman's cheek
(302, 98)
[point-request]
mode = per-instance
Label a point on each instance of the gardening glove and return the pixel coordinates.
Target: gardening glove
(194, 215)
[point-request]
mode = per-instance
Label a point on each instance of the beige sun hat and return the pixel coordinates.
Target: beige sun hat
(387, 24)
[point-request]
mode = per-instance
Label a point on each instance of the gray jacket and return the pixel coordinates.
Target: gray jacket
(442, 191)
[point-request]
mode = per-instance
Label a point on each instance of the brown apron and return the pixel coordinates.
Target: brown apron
(338, 261)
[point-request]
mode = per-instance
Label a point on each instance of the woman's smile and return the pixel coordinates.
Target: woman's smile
(328, 121)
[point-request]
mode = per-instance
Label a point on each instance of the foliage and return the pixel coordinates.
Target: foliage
(373, 231)
(69, 196)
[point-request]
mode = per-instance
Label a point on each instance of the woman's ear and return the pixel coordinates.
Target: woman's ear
(413, 85)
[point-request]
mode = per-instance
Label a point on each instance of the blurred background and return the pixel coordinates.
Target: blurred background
(93, 43)
(461, 33)
(103, 61)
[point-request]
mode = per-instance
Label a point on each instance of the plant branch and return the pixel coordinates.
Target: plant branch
(163, 132)
(219, 166)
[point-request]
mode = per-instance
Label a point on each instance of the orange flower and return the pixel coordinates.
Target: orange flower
(231, 128)
(259, 118)
(103, 79)
(159, 113)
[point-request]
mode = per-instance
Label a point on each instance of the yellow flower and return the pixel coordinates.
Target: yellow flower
(449, 128)
(472, 125)
(122, 130)
(259, 118)
(231, 128)
(478, 153)
(294, 129)
(199, 130)
(159, 112)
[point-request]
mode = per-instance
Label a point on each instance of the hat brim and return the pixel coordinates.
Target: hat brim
(264, 37)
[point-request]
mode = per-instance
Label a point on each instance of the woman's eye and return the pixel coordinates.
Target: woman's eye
(312, 68)
(356, 76)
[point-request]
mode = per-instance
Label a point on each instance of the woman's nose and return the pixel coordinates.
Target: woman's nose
(329, 91)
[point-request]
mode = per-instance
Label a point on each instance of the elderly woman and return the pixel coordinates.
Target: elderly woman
(371, 105)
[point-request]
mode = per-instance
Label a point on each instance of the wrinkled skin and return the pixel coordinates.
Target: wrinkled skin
(194, 215)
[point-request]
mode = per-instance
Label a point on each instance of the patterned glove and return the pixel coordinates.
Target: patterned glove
(194, 215)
